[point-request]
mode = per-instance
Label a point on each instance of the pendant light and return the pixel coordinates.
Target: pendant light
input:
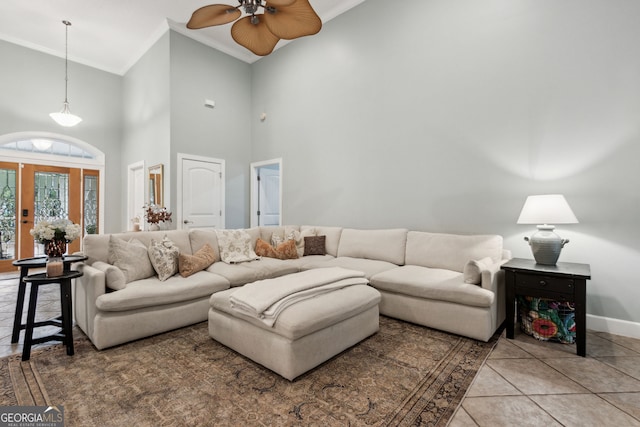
(64, 117)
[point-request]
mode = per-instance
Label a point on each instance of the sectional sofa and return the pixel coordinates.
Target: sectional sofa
(444, 281)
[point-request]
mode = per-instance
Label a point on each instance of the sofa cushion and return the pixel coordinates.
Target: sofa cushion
(332, 236)
(450, 251)
(191, 264)
(384, 245)
(473, 270)
(152, 293)
(114, 277)
(164, 257)
(198, 238)
(432, 283)
(130, 257)
(369, 267)
(236, 274)
(235, 246)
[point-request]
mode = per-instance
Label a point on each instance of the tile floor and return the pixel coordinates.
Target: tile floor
(524, 382)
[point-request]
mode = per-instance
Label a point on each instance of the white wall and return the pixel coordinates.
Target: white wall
(444, 115)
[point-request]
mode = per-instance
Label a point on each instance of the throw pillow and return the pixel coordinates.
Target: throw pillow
(235, 246)
(131, 257)
(265, 249)
(114, 277)
(298, 236)
(164, 257)
(286, 250)
(472, 272)
(191, 264)
(314, 245)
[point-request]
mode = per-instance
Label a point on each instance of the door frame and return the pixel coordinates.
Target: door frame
(253, 208)
(180, 158)
(132, 210)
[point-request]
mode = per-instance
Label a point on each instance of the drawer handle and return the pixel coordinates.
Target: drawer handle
(543, 283)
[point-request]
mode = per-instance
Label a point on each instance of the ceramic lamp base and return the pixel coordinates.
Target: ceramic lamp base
(546, 245)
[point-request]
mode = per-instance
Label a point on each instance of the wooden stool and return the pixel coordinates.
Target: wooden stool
(64, 321)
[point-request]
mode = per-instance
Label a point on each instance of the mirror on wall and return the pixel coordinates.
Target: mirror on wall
(156, 190)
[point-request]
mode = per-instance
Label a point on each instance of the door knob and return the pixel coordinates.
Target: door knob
(186, 221)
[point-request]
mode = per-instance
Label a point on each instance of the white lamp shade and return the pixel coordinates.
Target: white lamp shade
(547, 209)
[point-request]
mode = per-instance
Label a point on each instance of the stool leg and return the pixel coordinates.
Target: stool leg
(67, 319)
(17, 320)
(31, 315)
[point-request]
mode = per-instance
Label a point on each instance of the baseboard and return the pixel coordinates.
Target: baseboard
(613, 326)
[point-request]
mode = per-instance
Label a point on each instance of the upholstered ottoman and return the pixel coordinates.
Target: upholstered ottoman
(304, 335)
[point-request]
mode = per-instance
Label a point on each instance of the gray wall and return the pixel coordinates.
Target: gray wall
(444, 117)
(198, 73)
(32, 86)
(146, 116)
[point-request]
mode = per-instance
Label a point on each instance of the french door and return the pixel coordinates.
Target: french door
(32, 193)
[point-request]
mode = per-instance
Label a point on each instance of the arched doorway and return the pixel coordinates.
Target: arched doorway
(46, 176)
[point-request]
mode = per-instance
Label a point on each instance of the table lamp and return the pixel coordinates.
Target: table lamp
(542, 210)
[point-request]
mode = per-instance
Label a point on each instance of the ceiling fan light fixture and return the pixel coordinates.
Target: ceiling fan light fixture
(282, 19)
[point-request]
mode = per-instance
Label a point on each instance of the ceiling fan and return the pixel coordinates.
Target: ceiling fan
(281, 19)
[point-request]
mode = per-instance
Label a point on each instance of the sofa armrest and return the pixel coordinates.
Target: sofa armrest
(88, 288)
(491, 277)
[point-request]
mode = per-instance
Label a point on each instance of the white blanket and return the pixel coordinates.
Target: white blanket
(266, 299)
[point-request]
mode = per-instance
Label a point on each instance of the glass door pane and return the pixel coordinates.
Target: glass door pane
(90, 203)
(7, 214)
(51, 200)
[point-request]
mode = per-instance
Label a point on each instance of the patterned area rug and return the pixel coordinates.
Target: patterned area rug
(405, 375)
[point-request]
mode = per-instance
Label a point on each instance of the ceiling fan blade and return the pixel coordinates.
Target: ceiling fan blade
(280, 3)
(255, 37)
(290, 22)
(214, 14)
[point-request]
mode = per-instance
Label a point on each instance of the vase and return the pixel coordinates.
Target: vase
(154, 227)
(55, 250)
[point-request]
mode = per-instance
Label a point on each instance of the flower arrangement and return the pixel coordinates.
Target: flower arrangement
(58, 229)
(154, 214)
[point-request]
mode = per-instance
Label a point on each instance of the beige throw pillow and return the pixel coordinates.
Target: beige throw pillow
(131, 257)
(472, 272)
(235, 246)
(164, 257)
(191, 264)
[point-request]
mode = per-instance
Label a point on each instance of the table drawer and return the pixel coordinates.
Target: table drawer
(545, 283)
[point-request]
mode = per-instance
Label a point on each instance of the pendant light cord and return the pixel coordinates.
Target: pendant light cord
(66, 58)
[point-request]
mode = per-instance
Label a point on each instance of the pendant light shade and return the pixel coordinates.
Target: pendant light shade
(65, 117)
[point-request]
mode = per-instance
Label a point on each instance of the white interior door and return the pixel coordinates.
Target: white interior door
(201, 187)
(136, 193)
(266, 193)
(269, 196)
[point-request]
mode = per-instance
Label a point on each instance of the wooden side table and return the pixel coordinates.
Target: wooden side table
(25, 265)
(562, 282)
(64, 321)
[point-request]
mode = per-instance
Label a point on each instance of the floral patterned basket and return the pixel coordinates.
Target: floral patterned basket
(547, 320)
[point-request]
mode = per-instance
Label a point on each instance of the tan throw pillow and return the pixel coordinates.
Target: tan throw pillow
(235, 246)
(164, 257)
(286, 250)
(472, 272)
(191, 264)
(131, 257)
(314, 245)
(113, 275)
(265, 249)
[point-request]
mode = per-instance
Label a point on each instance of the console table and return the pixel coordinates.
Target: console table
(565, 281)
(25, 265)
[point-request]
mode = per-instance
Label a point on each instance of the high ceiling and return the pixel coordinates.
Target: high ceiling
(113, 34)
